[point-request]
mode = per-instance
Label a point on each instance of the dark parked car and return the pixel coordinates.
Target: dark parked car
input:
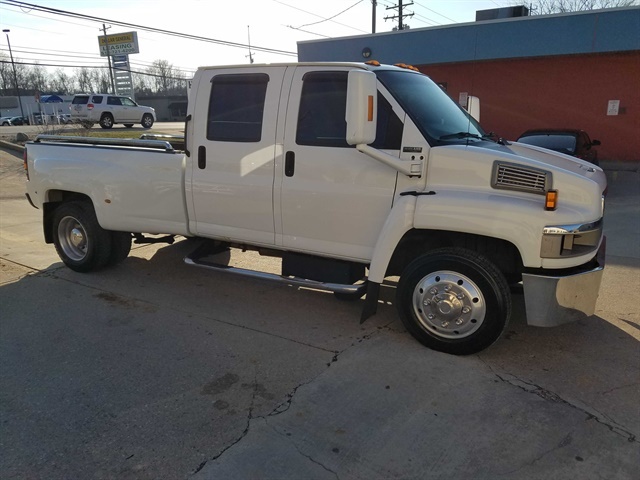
(570, 142)
(19, 121)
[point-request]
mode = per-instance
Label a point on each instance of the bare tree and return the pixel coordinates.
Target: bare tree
(84, 80)
(101, 79)
(36, 79)
(6, 75)
(544, 7)
(61, 83)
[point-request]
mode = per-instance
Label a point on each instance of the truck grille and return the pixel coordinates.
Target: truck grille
(516, 177)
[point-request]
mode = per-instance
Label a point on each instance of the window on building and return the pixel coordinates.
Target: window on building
(236, 107)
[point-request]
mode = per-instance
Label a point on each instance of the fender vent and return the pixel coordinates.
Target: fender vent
(511, 176)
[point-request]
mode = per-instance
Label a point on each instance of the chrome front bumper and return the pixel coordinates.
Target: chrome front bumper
(555, 300)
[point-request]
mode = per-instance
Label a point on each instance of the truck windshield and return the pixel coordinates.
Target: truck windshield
(437, 116)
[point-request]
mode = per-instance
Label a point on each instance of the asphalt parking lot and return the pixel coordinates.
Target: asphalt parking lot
(155, 369)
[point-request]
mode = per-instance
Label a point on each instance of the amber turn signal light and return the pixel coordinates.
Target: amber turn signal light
(551, 200)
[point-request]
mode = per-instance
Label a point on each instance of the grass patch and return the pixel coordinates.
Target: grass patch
(119, 133)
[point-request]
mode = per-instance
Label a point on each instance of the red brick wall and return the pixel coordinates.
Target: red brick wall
(555, 92)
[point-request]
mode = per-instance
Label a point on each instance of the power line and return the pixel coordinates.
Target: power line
(31, 52)
(65, 13)
(332, 17)
(319, 16)
(433, 11)
(94, 66)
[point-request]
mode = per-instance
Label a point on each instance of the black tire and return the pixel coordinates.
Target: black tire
(120, 247)
(82, 244)
(454, 300)
(147, 120)
(128, 125)
(106, 121)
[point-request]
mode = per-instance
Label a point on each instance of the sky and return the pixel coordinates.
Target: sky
(50, 39)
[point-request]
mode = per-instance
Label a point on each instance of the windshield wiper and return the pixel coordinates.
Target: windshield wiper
(460, 135)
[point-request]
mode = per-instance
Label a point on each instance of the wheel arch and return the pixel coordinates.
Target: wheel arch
(415, 242)
(55, 198)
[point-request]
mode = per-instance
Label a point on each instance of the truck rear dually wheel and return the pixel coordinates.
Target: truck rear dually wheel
(81, 243)
(454, 300)
(120, 247)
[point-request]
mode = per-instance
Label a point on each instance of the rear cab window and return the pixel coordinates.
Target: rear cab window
(236, 107)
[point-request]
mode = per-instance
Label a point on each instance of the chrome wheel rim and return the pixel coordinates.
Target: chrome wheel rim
(449, 305)
(73, 238)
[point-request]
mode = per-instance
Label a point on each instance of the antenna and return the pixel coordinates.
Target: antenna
(249, 39)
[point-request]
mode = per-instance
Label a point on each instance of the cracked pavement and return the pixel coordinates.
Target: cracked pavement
(157, 370)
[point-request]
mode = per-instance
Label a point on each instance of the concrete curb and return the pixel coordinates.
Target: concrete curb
(11, 146)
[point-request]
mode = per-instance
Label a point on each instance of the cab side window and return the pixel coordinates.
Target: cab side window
(96, 99)
(389, 127)
(236, 107)
(128, 102)
(321, 118)
(323, 103)
(113, 101)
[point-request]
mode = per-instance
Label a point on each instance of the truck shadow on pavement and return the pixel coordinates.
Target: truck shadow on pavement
(137, 356)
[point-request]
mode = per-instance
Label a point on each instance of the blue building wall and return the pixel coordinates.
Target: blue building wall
(597, 31)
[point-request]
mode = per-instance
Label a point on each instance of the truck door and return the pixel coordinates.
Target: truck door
(232, 156)
(333, 199)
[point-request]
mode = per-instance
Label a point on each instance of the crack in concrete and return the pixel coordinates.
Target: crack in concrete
(244, 432)
(611, 390)
(546, 394)
(566, 440)
(309, 457)
(286, 405)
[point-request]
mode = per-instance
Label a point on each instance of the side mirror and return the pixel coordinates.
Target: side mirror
(595, 143)
(362, 105)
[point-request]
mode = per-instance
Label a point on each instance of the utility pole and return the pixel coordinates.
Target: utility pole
(374, 4)
(400, 16)
(113, 85)
(15, 75)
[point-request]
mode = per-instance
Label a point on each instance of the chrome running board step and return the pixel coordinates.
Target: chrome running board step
(198, 259)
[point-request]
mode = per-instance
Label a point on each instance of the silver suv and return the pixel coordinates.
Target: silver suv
(108, 110)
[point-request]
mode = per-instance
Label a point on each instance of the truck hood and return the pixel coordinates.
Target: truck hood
(548, 159)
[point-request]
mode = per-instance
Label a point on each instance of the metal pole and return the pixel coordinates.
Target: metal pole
(373, 16)
(15, 75)
(106, 41)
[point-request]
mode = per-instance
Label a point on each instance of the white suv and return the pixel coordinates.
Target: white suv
(110, 109)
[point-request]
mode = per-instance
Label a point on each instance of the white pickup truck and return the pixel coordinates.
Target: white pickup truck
(350, 173)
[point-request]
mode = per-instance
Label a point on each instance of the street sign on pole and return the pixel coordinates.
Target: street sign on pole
(118, 44)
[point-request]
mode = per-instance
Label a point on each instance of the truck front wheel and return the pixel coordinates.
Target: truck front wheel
(81, 243)
(454, 300)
